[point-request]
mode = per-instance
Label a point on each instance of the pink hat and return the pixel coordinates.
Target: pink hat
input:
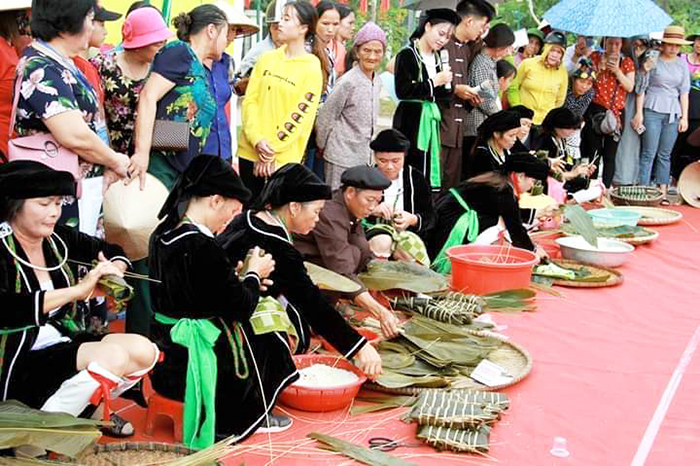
(143, 27)
(369, 32)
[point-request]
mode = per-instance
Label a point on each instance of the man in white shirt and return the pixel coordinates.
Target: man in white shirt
(582, 48)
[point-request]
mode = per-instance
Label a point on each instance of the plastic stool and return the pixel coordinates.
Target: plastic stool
(159, 405)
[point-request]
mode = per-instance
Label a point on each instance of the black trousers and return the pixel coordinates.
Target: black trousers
(252, 182)
(683, 153)
(594, 144)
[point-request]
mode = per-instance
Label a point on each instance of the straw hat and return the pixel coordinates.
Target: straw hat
(675, 35)
(131, 215)
(689, 184)
(8, 5)
(236, 18)
(541, 201)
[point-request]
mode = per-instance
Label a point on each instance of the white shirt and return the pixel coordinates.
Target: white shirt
(48, 334)
(430, 63)
(393, 195)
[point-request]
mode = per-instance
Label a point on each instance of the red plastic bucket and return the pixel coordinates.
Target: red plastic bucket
(481, 270)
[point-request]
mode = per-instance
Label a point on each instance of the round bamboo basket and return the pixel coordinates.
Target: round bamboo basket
(130, 454)
(510, 356)
(614, 280)
(645, 196)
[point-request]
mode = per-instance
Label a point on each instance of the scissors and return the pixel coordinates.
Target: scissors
(387, 444)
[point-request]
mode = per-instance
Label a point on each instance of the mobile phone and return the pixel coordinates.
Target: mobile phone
(640, 129)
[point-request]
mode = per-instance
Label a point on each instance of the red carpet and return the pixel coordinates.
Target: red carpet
(607, 362)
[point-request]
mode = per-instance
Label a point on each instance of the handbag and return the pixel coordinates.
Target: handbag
(606, 123)
(41, 147)
(171, 135)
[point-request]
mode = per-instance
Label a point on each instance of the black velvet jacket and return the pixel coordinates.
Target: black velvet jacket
(199, 282)
(308, 309)
(489, 203)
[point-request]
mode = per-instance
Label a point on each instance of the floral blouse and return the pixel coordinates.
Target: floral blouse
(49, 89)
(121, 100)
(190, 100)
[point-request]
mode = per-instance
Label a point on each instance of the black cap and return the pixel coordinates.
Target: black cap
(390, 140)
(500, 35)
(522, 111)
(206, 175)
(563, 118)
(556, 38)
(292, 183)
(364, 177)
(103, 14)
(498, 122)
(525, 162)
(27, 179)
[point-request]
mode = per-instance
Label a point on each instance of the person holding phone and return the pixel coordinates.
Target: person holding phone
(663, 108)
(615, 78)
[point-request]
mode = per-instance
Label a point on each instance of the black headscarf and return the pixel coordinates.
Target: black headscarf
(435, 16)
(562, 118)
(498, 122)
(206, 175)
(292, 183)
(27, 179)
(390, 140)
(524, 162)
(523, 111)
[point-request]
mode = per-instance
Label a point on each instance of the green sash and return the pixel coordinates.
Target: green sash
(467, 226)
(198, 336)
(429, 138)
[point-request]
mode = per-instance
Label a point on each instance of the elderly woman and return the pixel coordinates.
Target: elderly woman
(14, 36)
(542, 80)
(420, 81)
(56, 97)
(290, 205)
(124, 73)
(663, 109)
(203, 311)
(407, 206)
(347, 121)
(49, 363)
(535, 42)
(486, 202)
(614, 79)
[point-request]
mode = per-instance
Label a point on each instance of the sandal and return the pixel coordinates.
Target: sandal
(274, 423)
(665, 202)
(119, 427)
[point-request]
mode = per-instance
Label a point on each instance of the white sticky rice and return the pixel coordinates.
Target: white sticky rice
(322, 376)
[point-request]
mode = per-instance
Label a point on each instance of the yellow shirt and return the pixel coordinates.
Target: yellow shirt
(280, 105)
(538, 87)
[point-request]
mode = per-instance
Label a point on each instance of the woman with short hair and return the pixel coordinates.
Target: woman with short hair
(49, 362)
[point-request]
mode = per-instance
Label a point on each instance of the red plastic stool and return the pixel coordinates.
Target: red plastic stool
(159, 405)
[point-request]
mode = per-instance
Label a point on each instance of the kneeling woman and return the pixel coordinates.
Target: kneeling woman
(48, 363)
(228, 376)
(483, 202)
(290, 204)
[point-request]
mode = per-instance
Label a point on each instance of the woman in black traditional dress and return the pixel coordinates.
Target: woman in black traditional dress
(420, 81)
(482, 202)
(290, 204)
(47, 361)
(228, 377)
(495, 137)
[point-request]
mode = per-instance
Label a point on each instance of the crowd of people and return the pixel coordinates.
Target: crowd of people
(312, 178)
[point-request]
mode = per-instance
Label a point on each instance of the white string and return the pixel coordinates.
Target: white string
(36, 267)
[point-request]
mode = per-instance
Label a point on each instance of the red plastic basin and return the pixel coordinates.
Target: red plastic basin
(322, 399)
(547, 241)
(482, 270)
(371, 336)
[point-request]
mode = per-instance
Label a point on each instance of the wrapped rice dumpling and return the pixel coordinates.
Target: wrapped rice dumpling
(460, 440)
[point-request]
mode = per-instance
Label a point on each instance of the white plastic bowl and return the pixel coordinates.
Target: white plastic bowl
(609, 253)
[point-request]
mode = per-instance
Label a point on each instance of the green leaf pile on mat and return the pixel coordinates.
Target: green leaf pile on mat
(571, 273)
(387, 275)
(358, 452)
(621, 231)
(582, 224)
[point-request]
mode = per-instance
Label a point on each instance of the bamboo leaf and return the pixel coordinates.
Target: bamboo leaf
(360, 453)
(328, 280)
(387, 275)
(582, 224)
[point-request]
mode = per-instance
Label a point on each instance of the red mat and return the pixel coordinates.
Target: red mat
(607, 362)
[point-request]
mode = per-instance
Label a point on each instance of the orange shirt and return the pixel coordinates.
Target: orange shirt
(339, 52)
(93, 77)
(8, 64)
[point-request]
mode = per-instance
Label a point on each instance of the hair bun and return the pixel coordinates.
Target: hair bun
(183, 24)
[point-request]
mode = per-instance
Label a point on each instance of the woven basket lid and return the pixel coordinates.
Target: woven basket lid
(542, 201)
(131, 215)
(8, 5)
(689, 184)
(238, 19)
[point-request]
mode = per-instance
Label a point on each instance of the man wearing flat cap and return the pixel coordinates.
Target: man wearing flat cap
(475, 16)
(338, 241)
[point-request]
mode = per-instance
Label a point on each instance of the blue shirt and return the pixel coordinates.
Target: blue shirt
(219, 140)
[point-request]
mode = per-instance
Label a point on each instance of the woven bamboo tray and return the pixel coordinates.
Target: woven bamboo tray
(645, 196)
(614, 280)
(130, 454)
(510, 356)
(654, 215)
